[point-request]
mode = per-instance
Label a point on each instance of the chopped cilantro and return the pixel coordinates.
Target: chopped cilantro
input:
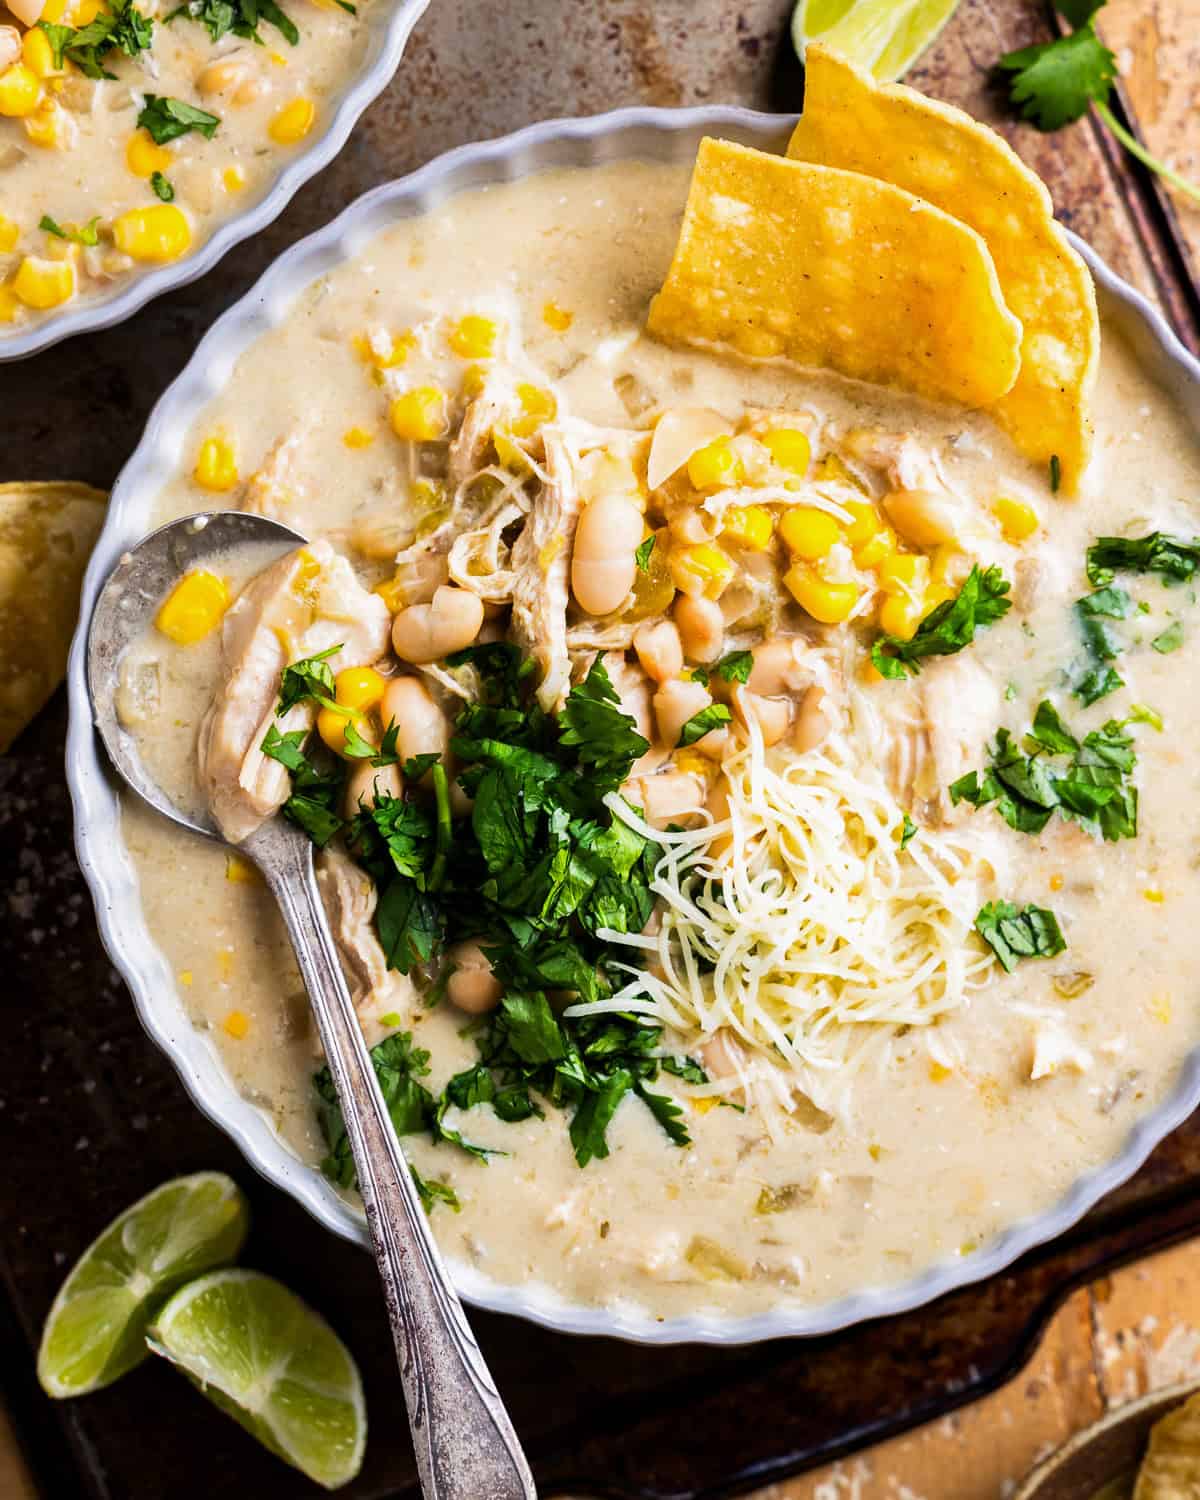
(604, 738)
(736, 666)
(162, 188)
(431, 1190)
(1091, 789)
(238, 16)
(310, 678)
(908, 831)
(88, 235)
(711, 717)
(1170, 639)
(1055, 473)
(981, 601)
(1176, 558)
(642, 554)
(122, 27)
(1141, 713)
(167, 119)
(1014, 933)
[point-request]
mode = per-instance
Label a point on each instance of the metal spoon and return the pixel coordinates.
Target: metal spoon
(465, 1444)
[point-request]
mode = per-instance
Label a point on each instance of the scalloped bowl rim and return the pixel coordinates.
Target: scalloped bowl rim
(144, 288)
(629, 134)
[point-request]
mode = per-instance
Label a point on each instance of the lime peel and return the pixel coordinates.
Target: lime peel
(95, 1330)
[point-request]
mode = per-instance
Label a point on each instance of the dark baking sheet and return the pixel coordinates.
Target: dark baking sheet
(91, 1115)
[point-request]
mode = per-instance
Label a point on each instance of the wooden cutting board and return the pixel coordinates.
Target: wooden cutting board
(91, 1115)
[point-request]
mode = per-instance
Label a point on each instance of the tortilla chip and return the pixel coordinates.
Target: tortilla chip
(836, 270)
(942, 155)
(46, 536)
(1171, 1468)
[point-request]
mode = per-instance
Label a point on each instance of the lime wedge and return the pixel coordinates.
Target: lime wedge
(883, 36)
(267, 1359)
(96, 1330)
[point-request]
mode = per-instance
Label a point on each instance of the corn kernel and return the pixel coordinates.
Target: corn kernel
(50, 126)
(789, 447)
(84, 12)
(830, 603)
(419, 414)
(537, 406)
(234, 179)
(240, 871)
(557, 317)
(293, 122)
(185, 978)
(474, 337)
(474, 380)
(905, 573)
(1018, 521)
(54, 10)
(865, 522)
(701, 569)
(873, 552)
(1056, 882)
(236, 1024)
(216, 465)
(359, 688)
(331, 726)
(37, 53)
(809, 533)
(44, 283)
(194, 608)
(510, 454)
(143, 157)
(357, 437)
(10, 233)
(938, 1072)
(278, 59)
(391, 591)
(384, 351)
(20, 91)
(159, 233)
(749, 525)
(10, 304)
(899, 615)
(1160, 1008)
(1153, 894)
(716, 466)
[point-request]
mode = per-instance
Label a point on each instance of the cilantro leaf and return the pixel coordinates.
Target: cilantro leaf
(711, 717)
(409, 924)
(1096, 684)
(167, 119)
(1014, 933)
(431, 1191)
(667, 1111)
(908, 831)
(642, 554)
(1170, 639)
(162, 188)
(239, 16)
(981, 601)
(310, 678)
(591, 1120)
(88, 235)
(736, 666)
(1055, 82)
(686, 1068)
(398, 1067)
(594, 725)
(1172, 556)
(314, 815)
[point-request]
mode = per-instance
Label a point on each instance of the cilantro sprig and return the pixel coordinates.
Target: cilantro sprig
(241, 17)
(950, 627)
(1055, 83)
(121, 28)
(166, 119)
(1014, 933)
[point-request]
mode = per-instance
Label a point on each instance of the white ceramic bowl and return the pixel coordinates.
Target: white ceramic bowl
(640, 133)
(389, 25)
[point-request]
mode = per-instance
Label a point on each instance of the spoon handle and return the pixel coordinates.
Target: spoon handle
(465, 1444)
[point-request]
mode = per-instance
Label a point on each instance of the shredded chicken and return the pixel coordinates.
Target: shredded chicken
(961, 703)
(350, 898)
(541, 561)
(268, 491)
(286, 603)
(468, 449)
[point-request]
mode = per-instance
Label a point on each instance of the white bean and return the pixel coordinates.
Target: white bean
(674, 704)
(603, 565)
(923, 517)
(671, 797)
(778, 668)
(426, 632)
(421, 727)
(366, 783)
(27, 11)
(701, 628)
(472, 986)
(772, 715)
(813, 722)
(658, 649)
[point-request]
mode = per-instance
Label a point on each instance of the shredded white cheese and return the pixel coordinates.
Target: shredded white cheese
(800, 924)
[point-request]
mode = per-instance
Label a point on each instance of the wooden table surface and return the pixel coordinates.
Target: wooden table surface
(1140, 1329)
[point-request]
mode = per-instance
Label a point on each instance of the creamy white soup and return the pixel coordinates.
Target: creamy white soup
(875, 843)
(130, 131)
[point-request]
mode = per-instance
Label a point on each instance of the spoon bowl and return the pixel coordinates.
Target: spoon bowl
(465, 1445)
